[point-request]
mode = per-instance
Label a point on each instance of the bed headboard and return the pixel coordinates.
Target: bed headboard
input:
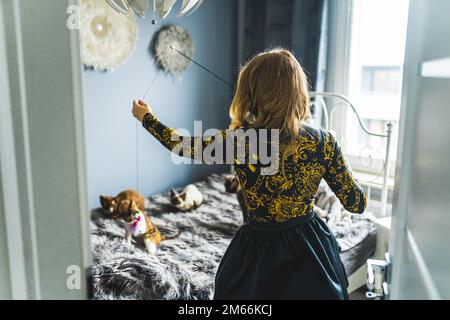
(318, 99)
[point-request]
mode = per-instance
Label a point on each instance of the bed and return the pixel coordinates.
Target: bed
(184, 268)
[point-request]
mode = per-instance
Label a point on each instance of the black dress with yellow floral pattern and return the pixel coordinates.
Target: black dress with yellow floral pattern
(284, 251)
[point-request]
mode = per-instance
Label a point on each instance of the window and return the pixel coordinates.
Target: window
(381, 79)
(377, 48)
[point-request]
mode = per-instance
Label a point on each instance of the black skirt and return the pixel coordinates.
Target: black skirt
(300, 262)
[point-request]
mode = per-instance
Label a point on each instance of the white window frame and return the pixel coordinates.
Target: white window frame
(338, 79)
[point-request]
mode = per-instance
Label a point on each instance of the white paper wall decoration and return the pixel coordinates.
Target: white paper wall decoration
(166, 58)
(107, 38)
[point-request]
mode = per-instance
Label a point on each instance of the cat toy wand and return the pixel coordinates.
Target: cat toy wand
(151, 85)
(137, 131)
(194, 62)
(201, 66)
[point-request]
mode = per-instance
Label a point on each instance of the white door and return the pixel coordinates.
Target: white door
(420, 241)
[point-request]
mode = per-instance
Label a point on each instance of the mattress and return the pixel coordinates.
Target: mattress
(185, 267)
(356, 256)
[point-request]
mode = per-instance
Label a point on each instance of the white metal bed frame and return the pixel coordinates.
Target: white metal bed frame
(358, 278)
(318, 98)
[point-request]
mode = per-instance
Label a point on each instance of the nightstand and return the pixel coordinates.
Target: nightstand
(383, 232)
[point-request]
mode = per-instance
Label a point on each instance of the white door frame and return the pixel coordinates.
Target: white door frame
(45, 197)
(16, 277)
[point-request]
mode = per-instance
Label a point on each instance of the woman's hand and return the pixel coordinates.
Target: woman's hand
(140, 109)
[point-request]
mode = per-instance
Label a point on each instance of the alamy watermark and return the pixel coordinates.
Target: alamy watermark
(73, 280)
(251, 147)
(73, 17)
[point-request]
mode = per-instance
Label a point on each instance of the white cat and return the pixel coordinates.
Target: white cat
(190, 198)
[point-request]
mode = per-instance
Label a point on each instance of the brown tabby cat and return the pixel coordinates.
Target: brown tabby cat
(111, 204)
(232, 185)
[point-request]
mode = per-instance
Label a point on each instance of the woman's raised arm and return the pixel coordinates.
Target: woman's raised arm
(185, 146)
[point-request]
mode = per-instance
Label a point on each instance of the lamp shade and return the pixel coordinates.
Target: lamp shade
(160, 7)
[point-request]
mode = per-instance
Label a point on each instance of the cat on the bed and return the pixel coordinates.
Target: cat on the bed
(189, 199)
(232, 185)
(111, 204)
(140, 226)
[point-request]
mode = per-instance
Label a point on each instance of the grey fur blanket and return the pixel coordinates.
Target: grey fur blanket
(183, 268)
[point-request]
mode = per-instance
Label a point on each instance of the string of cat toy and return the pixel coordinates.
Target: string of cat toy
(147, 91)
(150, 87)
(204, 69)
(201, 66)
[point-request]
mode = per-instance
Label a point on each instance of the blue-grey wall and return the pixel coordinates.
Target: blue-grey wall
(110, 129)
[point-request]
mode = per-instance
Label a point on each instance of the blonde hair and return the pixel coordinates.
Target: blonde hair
(272, 93)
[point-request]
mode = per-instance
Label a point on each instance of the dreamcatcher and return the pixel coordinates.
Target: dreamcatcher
(166, 40)
(107, 39)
